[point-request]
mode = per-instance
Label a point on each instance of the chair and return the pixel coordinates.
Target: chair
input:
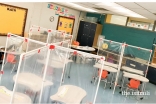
(103, 76)
(75, 43)
(133, 85)
(11, 59)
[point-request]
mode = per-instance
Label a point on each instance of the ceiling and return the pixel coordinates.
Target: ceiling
(129, 9)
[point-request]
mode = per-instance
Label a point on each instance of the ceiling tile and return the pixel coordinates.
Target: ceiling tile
(147, 5)
(141, 11)
(129, 5)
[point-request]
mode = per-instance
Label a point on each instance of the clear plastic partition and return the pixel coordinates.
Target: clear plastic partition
(68, 37)
(79, 77)
(112, 51)
(13, 49)
(57, 61)
(55, 36)
(15, 46)
(38, 33)
(33, 44)
(137, 59)
(29, 77)
(71, 81)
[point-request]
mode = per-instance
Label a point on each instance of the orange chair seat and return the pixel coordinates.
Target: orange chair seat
(104, 74)
(134, 84)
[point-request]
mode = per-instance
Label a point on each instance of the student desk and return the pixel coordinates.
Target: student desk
(32, 81)
(107, 68)
(69, 94)
(132, 70)
(137, 77)
(19, 98)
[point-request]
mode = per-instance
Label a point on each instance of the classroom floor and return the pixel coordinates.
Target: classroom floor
(81, 75)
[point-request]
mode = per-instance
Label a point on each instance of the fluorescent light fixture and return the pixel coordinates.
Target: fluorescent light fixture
(118, 9)
(80, 7)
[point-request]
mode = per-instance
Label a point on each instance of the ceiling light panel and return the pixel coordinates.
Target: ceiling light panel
(118, 9)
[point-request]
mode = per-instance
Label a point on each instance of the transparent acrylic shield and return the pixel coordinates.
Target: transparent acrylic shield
(55, 36)
(29, 77)
(32, 45)
(80, 73)
(137, 59)
(111, 50)
(39, 34)
(12, 52)
(57, 61)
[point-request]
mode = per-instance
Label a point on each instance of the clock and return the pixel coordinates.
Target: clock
(51, 19)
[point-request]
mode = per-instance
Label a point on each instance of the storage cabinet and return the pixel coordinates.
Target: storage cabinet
(154, 57)
(88, 33)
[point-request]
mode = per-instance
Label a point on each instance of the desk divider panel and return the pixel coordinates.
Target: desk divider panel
(47, 35)
(137, 58)
(15, 46)
(113, 52)
(29, 77)
(60, 65)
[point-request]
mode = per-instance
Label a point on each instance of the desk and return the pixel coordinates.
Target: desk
(137, 77)
(132, 70)
(69, 94)
(109, 64)
(107, 68)
(55, 64)
(32, 81)
(19, 98)
(83, 48)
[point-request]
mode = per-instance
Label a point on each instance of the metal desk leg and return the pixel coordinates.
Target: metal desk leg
(111, 81)
(122, 84)
(69, 71)
(35, 97)
(64, 72)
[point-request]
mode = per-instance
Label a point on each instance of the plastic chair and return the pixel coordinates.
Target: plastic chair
(11, 59)
(76, 43)
(103, 76)
(133, 85)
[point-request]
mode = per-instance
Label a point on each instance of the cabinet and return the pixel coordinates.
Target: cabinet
(154, 57)
(88, 33)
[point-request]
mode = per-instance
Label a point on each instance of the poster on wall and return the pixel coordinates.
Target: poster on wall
(67, 24)
(60, 11)
(12, 19)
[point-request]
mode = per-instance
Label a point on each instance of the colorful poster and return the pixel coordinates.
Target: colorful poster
(60, 11)
(67, 24)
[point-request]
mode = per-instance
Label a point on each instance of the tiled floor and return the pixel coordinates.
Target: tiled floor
(81, 75)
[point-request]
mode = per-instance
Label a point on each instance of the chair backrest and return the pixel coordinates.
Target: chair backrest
(10, 58)
(104, 74)
(134, 83)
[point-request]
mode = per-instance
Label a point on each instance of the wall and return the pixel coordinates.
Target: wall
(38, 14)
(132, 36)
(120, 20)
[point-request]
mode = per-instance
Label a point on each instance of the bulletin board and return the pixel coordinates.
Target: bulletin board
(66, 24)
(12, 19)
